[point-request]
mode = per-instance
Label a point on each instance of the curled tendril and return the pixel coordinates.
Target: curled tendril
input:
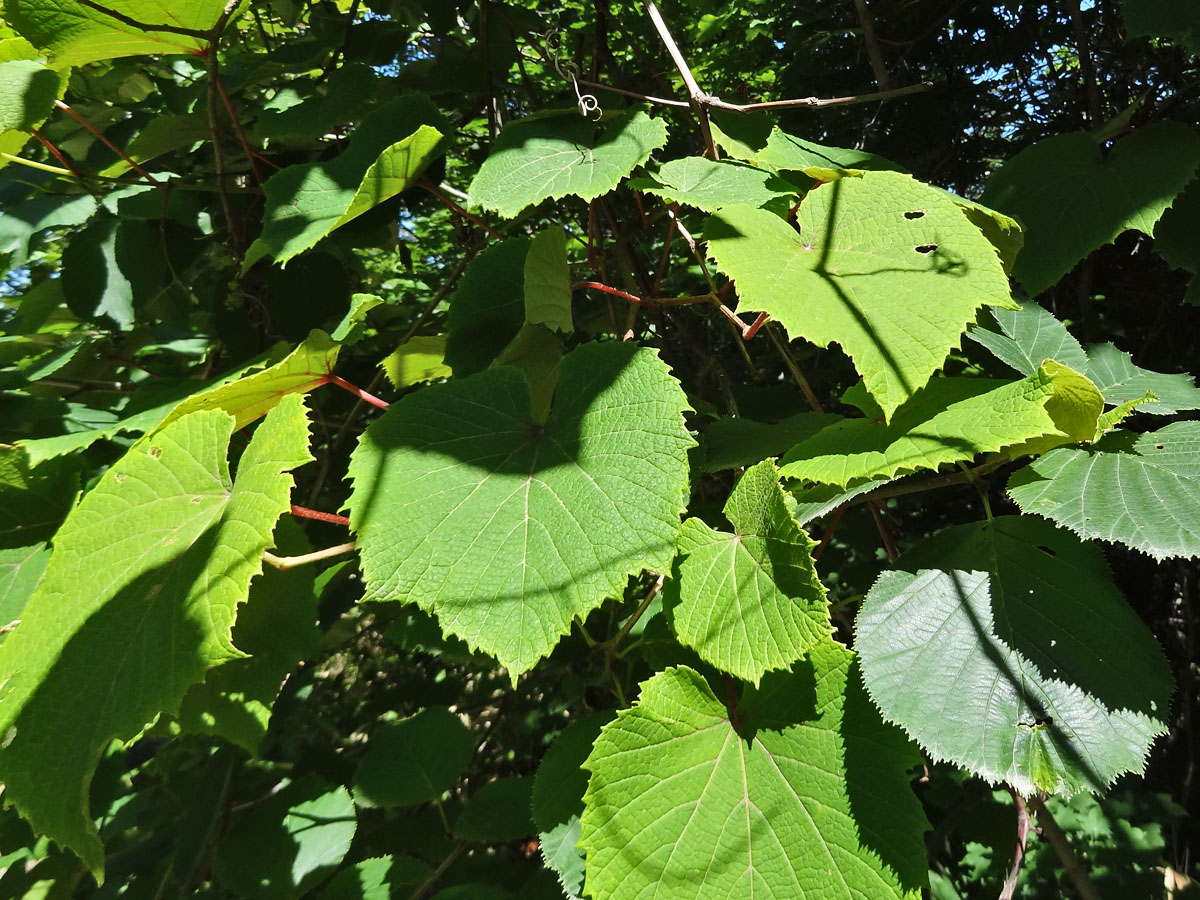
(588, 103)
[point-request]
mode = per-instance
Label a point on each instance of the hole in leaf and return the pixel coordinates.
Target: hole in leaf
(155, 452)
(925, 248)
(1158, 446)
(914, 214)
(1047, 551)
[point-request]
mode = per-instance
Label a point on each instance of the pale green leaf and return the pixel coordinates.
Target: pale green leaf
(1075, 406)
(885, 266)
(169, 546)
(1139, 490)
(414, 760)
(707, 185)
(307, 202)
(1004, 232)
(246, 399)
(1004, 648)
(366, 880)
(20, 569)
(350, 329)
(1120, 381)
(786, 151)
(487, 309)
(548, 281)
(74, 33)
(949, 420)
(507, 529)
(802, 793)
(551, 156)
(750, 601)
(417, 359)
(1072, 200)
(1023, 338)
(562, 857)
(733, 442)
(28, 90)
(288, 843)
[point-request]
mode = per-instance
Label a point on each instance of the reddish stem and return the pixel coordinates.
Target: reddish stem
(616, 292)
(356, 391)
(57, 154)
(109, 144)
(828, 536)
(662, 262)
(304, 512)
(458, 209)
(637, 198)
(241, 135)
(752, 330)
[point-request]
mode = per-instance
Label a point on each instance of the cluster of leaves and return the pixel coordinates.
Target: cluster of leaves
(666, 388)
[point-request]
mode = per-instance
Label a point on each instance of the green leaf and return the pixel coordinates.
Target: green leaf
(750, 601)
(1004, 232)
(33, 502)
(807, 796)
(497, 812)
(1075, 406)
(20, 569)
(548, 282)
(169, 546)
(307, 202)
(417, 359)
(562, 857)
(1004, 647)
(74, 33)
(286, 844)
(1174, 19)
(350, 329)
(551, 156)
(487, 309)
(948, 420)
(560, 782)
(786, 151)
(277, 628)
(1175, 233)
(707, 185)
(731, 443)
(1072, 200)
(162, 135)
(1120, 381)
(537, 352)
(101, 275)
(367, 880)
(1140, 490)
(1024, 337)
(883, 265)
(508, 529)
(414, 760)
(28, 90)
(246, 399)
(810, 503)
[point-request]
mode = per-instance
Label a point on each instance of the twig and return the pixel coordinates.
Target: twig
(423, 888)
(237, 127)
(57, 154)
(458, 209)
(616, 292)
(828, 535)
(1058, 841)
(147, 26)
(109, 144)
(235, 227)
(358, 392)
(715, 102)
(662, 101)
(290, 562)
(885, 534)
(1014, 871)
(612, 644)
(698, 97)
(876, 57)
(304, 512)
(794, 368)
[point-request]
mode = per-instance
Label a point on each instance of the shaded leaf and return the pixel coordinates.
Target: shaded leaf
(508, 529)
(487, 308)
(733, 442)
(1120, 381)
(1004, 647)
(548, 281)
(414, 760)
(1024, 337)
(497, 812)
(707, 185)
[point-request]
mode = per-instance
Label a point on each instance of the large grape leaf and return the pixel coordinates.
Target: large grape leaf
(1004, 647)
(750, 601)
(1120, 381)
(388, 151)
(948, 420)
(75, 33)
(883, 265)
(1071, 199)
(508, 529)
(1140, 490)
(802, 793)
(707, 185)
(136, 605)
(550, 156)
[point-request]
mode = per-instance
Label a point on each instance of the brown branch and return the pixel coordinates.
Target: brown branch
(698, 97)
(1062, 847)
(451, 205)
(303, 512)
(662, 101)
(805, 102)
(147, 26)
(109, 144)
(1009, 891)
(873, 52)
(237, 126)
(358, 392)
(58, 154)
